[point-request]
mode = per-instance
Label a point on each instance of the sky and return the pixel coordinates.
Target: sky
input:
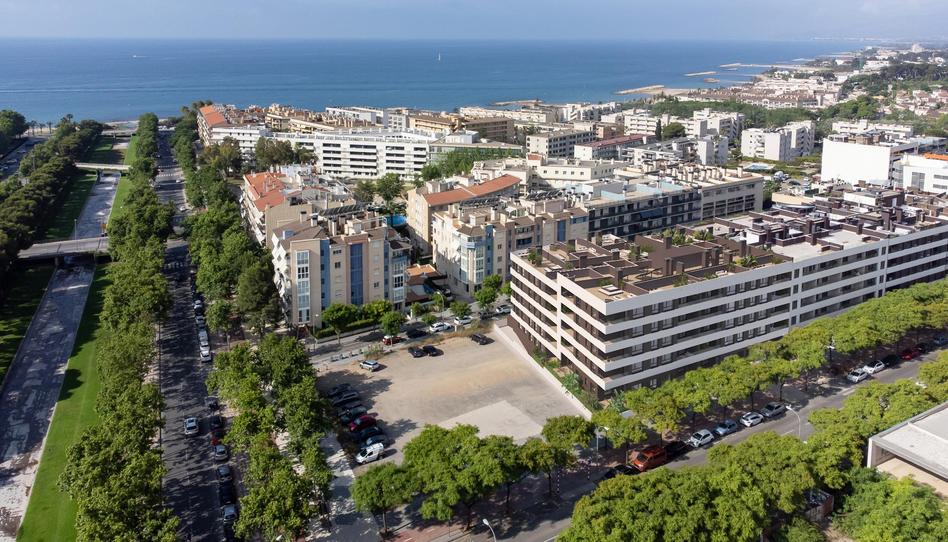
(476, 19)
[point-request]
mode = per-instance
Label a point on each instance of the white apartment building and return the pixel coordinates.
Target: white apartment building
(610, 149)
(560, 143)
(539, 172)
(706, 122)
(925, 172)
(525, 116)
(219, 122)
(707, 150)
(859, 126)
(624, 315)
(366, 153)
(783, 144)
(370, 115)
(872, 156)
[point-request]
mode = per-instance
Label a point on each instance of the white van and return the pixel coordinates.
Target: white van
(202, 339)
(370, 453)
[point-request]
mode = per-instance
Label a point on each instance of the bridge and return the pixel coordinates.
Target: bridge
(54, 250)
(102, 167)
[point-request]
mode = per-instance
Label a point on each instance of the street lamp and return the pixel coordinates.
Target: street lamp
(799, 421)
(487, 523)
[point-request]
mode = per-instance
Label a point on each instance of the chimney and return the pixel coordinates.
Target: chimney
(743, 247)
(811, 238)
(728, 258)
(668, 267)
(717, 255)
(826, 222)
(706, 258)
(859, 228)
(899, 215)
(679, 267)
(668, 242)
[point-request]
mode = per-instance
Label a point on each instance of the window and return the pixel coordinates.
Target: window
(337, 265)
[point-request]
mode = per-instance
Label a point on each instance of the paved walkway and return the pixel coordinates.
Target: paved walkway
(32, 385)
(32, 388)
(348, 524)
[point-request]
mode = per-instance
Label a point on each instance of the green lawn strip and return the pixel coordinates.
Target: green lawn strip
(74, 198)
(104, 153)
(51, 514)
(27, 285)
(121, 192)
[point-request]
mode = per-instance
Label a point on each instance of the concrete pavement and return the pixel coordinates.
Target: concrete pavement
(348, 524)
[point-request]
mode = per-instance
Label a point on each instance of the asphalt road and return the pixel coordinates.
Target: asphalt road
(190, 484)
(15, 156)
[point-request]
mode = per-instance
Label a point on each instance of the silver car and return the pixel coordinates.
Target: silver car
(750, 419)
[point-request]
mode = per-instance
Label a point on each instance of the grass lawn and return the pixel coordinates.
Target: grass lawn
(103, 153)
(121, 191)
(74, 198)
(51, 514)
(27, 285)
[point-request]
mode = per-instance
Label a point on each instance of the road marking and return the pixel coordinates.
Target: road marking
(847, 391)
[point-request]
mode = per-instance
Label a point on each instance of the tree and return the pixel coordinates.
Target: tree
(389, 187)
(507, 454)
(218, 316)
(364, 191)
(506, 289)
(254, 287)
(620, 430)
(460, 309)
(438, 301)
(485, 298)
(338, 316)
(539, 456)
(800, 530)
(375, 310)
(492, 281)
(279, 501)
(568, 431)
(418, 310)
(429, 319)
(673, 130)
(383, 487)
(391, 322)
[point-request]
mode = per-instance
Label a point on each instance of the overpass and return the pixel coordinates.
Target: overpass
(102, 167)
(54, 250)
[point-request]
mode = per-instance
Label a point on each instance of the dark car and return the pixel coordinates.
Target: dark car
(627, 470)
(215, 422)
(431, 350)
(224, 473)
(211, 402)
(338, 390)
(924, 348)
(940, 340)
(348, 405)
(480, 339)
(377, 439)
(362, 422)
(352, 414)
(415, 333)
(416, 352)
(225, 492)
(910, 353)
(364, 434)
(345, 397)
(890, 360)
(675, 449)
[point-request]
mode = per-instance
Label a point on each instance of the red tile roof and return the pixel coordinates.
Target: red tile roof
(212, 116)
(265, 188)
(468, 192)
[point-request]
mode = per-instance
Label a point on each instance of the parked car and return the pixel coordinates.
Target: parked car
(874, 367)
(370, 365)
(229, 513)
(725, 428)
(200, 321)
(215, 422)
(431, 350)
(439, 327)
(191, 427)
(369, 454)
(220, 452)
(891, 360)
(910, 353)
(198, 305)
(480, 339)
(351, 414)
(225, 493)
(364, 434)
(344, 397)
(377, 439)
(750, 419)
(203, 339)
(674, 449)
(336, 390)
(416, 352)
(857, 375)
(348, 405)
(462, 321)
(211, 402)
(224, 473)
(774, 409)
(940, 340)
(923, 348)
(619, 470)
(389, 340)
(362, 422)
(649, 457)
(206, 355)
(701, 437)
(503, 309)
(415, 333)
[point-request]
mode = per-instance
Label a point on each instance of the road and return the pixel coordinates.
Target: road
(190, 484)
(14, 157)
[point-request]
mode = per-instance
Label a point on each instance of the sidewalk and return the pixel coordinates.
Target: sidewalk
(348, 524)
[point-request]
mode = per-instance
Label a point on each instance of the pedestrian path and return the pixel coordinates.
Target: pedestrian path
(348, 524)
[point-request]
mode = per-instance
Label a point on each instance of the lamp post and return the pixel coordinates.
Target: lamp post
(799, 421)
(487, 523)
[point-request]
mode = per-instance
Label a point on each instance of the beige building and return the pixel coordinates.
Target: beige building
(560, 143)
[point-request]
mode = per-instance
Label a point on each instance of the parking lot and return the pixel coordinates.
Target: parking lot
(487, 386)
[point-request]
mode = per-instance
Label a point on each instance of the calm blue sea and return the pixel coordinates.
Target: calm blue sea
(119, 79)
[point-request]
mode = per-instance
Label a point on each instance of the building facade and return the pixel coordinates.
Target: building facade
(782, 144)
(558, 144)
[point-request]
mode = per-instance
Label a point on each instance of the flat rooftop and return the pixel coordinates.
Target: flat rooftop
(921, 441)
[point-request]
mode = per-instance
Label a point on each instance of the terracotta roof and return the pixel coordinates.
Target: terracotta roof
(468, 192)
(264, 182)
(270, 199)
(212, 116)
(935, 156)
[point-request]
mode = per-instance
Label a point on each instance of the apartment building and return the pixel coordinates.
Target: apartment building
(560, 143)
(423, 202)
(705, 122)
(355, 261)
(859, 126)
(471, 242)
(539, 172)
(365, 153)
(628, 209)
(783, 144)
(872, 156)
(925, 172)
(525, 116)
(624, 314)
(219, 122)
(282, 118)
(708, 150)
(492, 128)
(610, 149)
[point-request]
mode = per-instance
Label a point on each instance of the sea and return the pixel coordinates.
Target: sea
(112, 80)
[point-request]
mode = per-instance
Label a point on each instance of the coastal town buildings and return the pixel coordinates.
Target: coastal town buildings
(925, 172)
(708, 150)
(624, 314)
(611, 148)
(219, 122)
(872, 156)
(559, 143)
(782, 144)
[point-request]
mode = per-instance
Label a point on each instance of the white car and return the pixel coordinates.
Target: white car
(191, 427)
(503, 309)
(463, 321)
(206, 355)
(701, 437)
(370, 453)
(873, 368)
(857, 375)
(751, 419)
(439, 326)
